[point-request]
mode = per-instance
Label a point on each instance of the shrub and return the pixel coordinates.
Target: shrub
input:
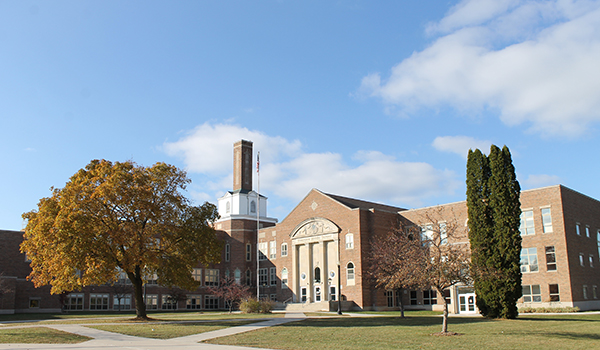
(528, 310)
(253, 306)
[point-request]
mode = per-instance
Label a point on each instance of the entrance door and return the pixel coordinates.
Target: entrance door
(317, 294)
(466, 303)
(332, 293)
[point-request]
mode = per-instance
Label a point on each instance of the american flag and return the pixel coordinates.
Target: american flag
(257, 161)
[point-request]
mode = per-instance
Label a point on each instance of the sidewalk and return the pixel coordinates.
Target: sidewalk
(103, 340)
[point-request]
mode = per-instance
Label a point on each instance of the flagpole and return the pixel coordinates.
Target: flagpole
(257, 225)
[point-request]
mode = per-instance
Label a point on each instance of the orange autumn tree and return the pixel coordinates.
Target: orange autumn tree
(113, 217)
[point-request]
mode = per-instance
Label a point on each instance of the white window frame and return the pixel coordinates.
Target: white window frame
(78, 301)
(284, 249)
(284, 278)
(124, 303)
(529, 260)
(273, 276)
(587, 231)
(197, 274)
(350, 273)
(102, 297)
(547, 220)
(532, 293)
(272, 249)
(262, 251)
(585, 292)
(550, 258)
(193, 302)
(591, 260)
(581, 260)
(211, 302)
(211, 277)
(554, 296)
(527, 227)
(248, 252)
(151, 301)
(578, 229)
(168, 302)
(349, 241)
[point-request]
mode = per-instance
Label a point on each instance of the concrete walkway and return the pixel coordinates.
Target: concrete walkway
(103, 340)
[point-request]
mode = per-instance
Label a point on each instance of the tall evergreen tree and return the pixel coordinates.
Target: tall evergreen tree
(494, 218)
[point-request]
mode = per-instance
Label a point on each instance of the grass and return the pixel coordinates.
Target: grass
(170, 330)
(414, 332)
(89, 318)
(39, 335)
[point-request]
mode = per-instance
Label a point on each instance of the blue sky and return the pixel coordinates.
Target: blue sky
(378, 100)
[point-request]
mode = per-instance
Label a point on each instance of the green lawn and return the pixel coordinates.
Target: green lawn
(170, 330)
(39, 335)
(414, 332)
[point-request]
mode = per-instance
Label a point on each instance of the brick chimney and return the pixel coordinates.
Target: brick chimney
(242, 165)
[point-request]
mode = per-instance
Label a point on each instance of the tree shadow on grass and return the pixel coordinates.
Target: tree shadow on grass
(382, 321)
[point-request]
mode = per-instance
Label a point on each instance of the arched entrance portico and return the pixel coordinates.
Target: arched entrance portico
(315, 256)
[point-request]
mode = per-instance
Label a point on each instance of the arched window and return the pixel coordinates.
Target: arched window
(317, 275)
(350, 272)
(228, 208)
(253, 207)
(284, 278)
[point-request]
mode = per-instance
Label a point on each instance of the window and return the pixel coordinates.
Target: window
(527, 226)
(389, 295)
(273, 297)
(550, 259)
(350, 241)
(123, 302)
(443, 233)
(581, 263)
(591, 260)
(554, 294)
(122, 277)
(413, 297)
(547, 220)
(253, 207)
(211, 302)
(272, 250)
(284, 250)
(587, 231)
(152, 279)
(193, 302)
(317, 275)
(262, 254)
(262, 275)
(427, 233)
(429, 297)
(197, 274)
(529, 260)
(248, 252)
(577, 229)
(34, 303)
(168, 302)
(227, 208)
(273, 275)
(151, 301)
(211, 278)
(598, 239)
(595, 292)
(585, 292)
(447, 296)
(227, 252)
(237, 275)
(248, 277)
(350, 273)
(532, 294)
(74, 302)
(284, 278)
(98, 301)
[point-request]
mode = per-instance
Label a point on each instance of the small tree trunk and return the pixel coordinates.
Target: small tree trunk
(401, 303)
(138, 289)
(445, 321)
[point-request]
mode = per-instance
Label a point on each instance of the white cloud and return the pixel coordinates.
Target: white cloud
(535, 63)
(460, 144)
(535, 181)
(209, 148)
(287, 172)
